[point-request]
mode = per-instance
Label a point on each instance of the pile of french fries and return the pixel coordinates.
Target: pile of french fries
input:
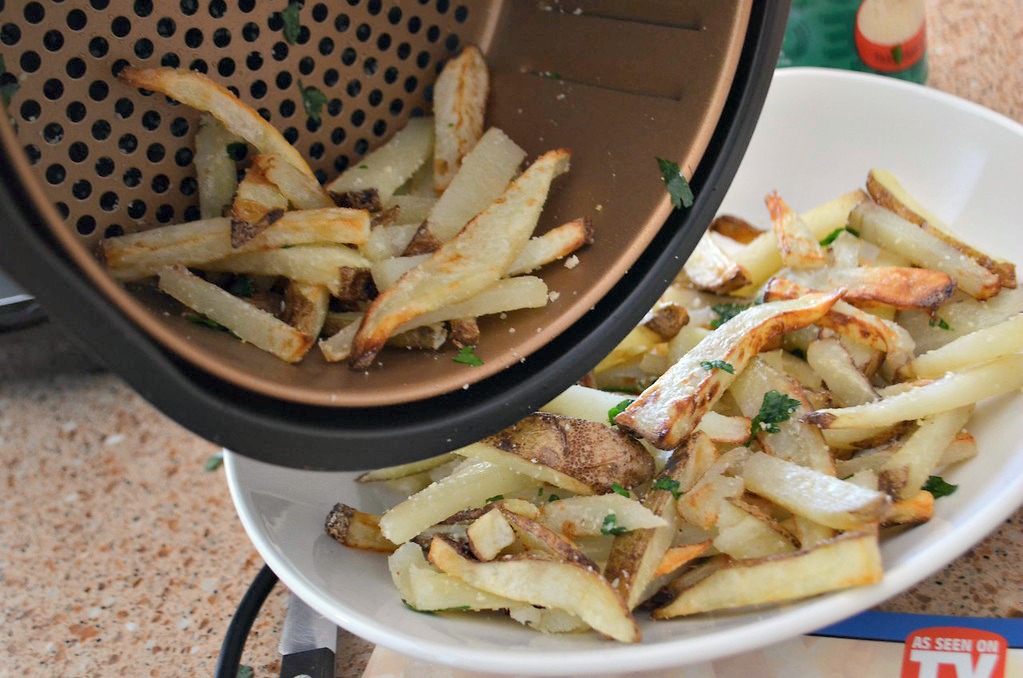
(798, 391)
(407, 247)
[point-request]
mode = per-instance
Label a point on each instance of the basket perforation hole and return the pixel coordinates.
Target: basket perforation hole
(461, 14)
(358, 117)
(264, 113)
(342, 23)
(319, 13)
(394, 16)
(287, 108)
(85, 225)
(76, 19)
(316, 150)
(283, 80)
(423, 59)
(30, 61)
(53, 133)
(160, 183)
(170, 60)
(78, 152)
(191, 213)
(164, 213)
(124, 108)
(363, 32)
(379, 128)
(104, 166)
(193, 38)
(53, 40)
(34, 13)
(320, 175)
(279, 51)
(396, 107)
(403, 51)
(433, 33)
(361, 146)
(290, 134)
(246, 6)
(166, 27)
(81, 189)
(99, 4)
(101, 130)
(250, 32)
(337, 136)
(218, 8)
(30, 110)
(128, 143)
(341, 163)
(98, 47)
(391, 75)
(132, 178)
(55, 174)
(221, 37)
(415, 24)
(258, 89)
(137, 209)
(143, 8)
(199, 65)
(189, 186)
(151, 120)
(254, 61)
(143, 48)
(312, 125)
(411, 83)
(189, 7)
(179, 127)
(334, 107)
(113, 231)
(76, 111)
(375, 97)
(384, 42)
(10, 34)
(98, 90)
(348, 56)
(225, 67)
(75, 68)
(118, 66)
(353, 88)
(33, 153)
(330, 77)
(306, 65)
(63, 210)
(155, 152)
(451, 43)
(109, 201)
(120, 26)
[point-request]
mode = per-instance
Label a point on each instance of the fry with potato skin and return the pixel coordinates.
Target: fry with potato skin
(460, 99)
(669, 410)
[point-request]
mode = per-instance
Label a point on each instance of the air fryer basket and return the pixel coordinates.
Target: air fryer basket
(86, 157)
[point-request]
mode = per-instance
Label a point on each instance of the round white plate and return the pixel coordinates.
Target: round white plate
(820, 132)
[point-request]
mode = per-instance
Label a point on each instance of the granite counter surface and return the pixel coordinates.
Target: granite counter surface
(120, 554)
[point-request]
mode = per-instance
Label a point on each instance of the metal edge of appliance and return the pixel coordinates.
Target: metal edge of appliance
(304, 436)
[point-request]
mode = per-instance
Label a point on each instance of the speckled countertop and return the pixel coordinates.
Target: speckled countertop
(121, 555)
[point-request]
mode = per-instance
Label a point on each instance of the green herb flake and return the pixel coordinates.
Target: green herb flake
(833, 236)
(618, 489)
(496, 497)
(610, 525)
(668, 485)
(678, 188)
(363, 166)
(414, 608)
(717, 365)
(242, 286)
(292, 26)
(312, 100)
(552, 75)
(618, 409)
(459, 608)
(726, 312)
(897, 54)
(203, 321)
(553, 498)
(853, 231)
(245, 671)
(7, 89)
(938, 487)
(465, 356)
(214, 461)
(940, 323)
(775, 408)
(237, 150)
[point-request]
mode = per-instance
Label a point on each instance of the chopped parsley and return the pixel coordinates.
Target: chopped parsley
(610, 525)
(496, 497)
(618, 409)
(776, 408)
(214, 461)
(551, 74)
(245, 671)
(717, 365)
(465, 356)
(937, 486)
(7, 89)
(833, 236)
(618, 489)
(668, 485)
(237, 150)
(242, 286)
(897, 53)
(291, 25)
(203, 321)
(678, 188)
(553, 498)
(312, 100)
(725, 313)
(940, 323)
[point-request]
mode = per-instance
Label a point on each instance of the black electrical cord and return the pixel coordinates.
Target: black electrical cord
(241, 623)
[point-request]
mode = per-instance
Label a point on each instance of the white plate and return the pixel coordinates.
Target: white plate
(819, 134)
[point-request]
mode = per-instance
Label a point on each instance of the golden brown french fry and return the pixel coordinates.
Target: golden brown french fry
(215, 170)
(489, 534)
(257, 205)
(709, 268)
(669, 410)
(848, 386)
(356, 529)
(199, 92)
(459, 103)
(478, 256)
(555, 244)
(305, 307)
(905, 473)
(797, 246)
(735, 228)
(302, 191)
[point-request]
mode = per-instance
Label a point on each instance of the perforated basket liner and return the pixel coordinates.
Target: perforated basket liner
(619, 83)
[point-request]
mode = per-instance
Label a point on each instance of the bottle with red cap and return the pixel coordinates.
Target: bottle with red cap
(880, 36)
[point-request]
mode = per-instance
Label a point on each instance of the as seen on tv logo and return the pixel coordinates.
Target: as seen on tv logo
(954, 652)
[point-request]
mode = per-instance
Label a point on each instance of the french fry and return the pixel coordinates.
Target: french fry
(379, 173)
(905, 473)
(797, 246)
(386, 242)
(405, 470)
(818, 496)
(848, 386)
(917, 509)
(959, 318)
(886, 191)
(735, 228)
(215, 170)
(356, 529)
(954, 390)
(962, 447)
(901, 288)
(302, 191)
(890, 231)
(477, 257)
(553, 245)
(257, 205)
(746, 533)
(851, 559)
(972, 349)
(545, 582)
(459, 103)
(250, 324)
(310, 264)
(425, 589)
(589, 516)
(305, 307)
(489, 534)
(709, 268)
(199, 92)
(669, 410)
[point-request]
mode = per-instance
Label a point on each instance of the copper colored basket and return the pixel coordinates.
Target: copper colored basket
(619, 83)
